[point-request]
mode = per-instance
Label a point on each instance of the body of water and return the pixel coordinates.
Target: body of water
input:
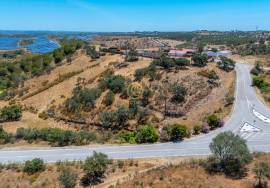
(40, 45)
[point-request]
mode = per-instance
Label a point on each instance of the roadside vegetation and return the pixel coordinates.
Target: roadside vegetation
(261, 80)
(230, 165)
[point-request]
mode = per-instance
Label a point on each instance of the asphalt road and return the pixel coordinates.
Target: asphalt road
(248, 110)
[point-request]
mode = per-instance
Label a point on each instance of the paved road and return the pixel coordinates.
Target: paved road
(248, 112)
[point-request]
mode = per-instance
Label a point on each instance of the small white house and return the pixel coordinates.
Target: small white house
(224, 53)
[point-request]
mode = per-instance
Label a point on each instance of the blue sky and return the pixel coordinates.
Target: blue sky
(134, 15)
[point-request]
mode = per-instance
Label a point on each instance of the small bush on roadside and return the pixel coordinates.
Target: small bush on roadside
(55, 136)
(146, 134)
(4, 136)
(34, 166)
(177, 132)
(197, 129)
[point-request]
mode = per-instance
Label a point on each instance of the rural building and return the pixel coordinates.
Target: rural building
(224, 53)
(180, 53)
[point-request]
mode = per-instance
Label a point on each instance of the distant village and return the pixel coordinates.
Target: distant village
(154, 48)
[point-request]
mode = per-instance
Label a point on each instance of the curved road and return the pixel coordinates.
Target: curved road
(249, 120)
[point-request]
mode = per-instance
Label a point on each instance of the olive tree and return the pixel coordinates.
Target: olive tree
(94, 168)
(68, 178)
(230, 155)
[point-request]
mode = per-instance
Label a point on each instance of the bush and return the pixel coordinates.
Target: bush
(133, 107)
(34, 166)
(95, 168)
(109, 99)
(82, 99)
(4, 136)
(177, 132)
(146, 95)
(179, 93)
(128, 137)
(139, 74)
(107, 119)
(56, 136)
(213, 121)
(231, 154)
(226, 64)
(197, 129)
(122, 116)
(262, 171)
(68, 178)
(182, 62)
(260, 83)
(11, 113)
(91, 51)
(200, 60)
(146, 134)
(257, 69)
(164, 62)
(116, 84)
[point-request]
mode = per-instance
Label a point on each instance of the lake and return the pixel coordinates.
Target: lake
(41, 44)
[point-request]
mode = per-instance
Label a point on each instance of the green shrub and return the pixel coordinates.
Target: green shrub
(230, 155)
(213, 121)
(139, 74)
(4, 136)
(177, 132)
(197, 129)
(11, 113)
(107, 119)
(95, 168)
(200, 60)
(56, 136)
(133, 107)
(109, 99)
(182, 62)
(260, 83)
(128, 137)
(122, 116)
(146, 134)
(116, 84)
(34, 166)
(68, 178)
(226, 64)
(179, 93)
(82, 98)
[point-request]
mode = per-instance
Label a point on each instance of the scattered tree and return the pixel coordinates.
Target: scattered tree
(95, 168)
(230, 155)
(68, 178)
(200, 60)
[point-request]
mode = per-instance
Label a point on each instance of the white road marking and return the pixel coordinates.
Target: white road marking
(261, 116)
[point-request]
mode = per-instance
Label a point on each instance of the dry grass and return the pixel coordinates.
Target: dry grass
(185, 175)
(157, 173)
